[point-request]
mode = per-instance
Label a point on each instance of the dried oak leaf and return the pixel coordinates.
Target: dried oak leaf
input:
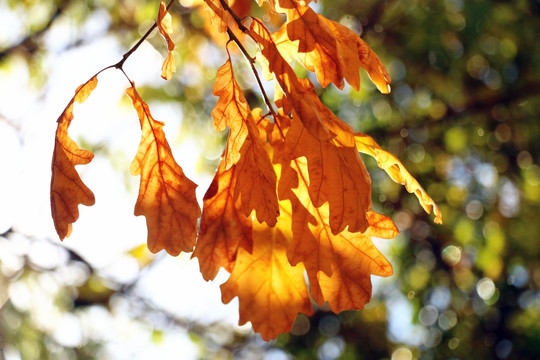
(67, 188)
(224, 228)
(304, 101)
(221, 18)
(271, 292)
(164, 23)
(256, 179)
(281, 6)
(337, 175)
(166, 196)
(317, 48)
(331, 50)
(395, 169)
(339, 266)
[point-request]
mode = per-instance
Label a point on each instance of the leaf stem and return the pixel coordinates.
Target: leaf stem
(238, 43)
(134, 48)
(251, 61)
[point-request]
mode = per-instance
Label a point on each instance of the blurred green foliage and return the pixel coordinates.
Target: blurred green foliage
(462, 116)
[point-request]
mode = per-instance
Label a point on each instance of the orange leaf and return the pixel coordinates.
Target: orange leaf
(338, 266)
(271, 292)
(220, 17)
(240, 7)
(317, 47)
(256, 178)
(280, 6)
(224, 229)
(164, 23)
(256, 181)
(166, 195)
(336, 174)
(231, 110)
(329, 49)
(370, 62)
(301, 98)
(67, 188)
(395, 169)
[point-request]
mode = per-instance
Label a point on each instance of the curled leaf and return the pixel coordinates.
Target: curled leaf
(370, 62)
(164, 23)
(67, 188)
(395, 169)
(166, 196)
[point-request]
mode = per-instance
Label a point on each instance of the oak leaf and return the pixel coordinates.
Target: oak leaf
(397, 172)
(370, 62)
(333, 51)
(317, 47)
(164, 23)
(280, 6)
(67, 188)
(256, 180)
(166, 196)
(339, 266)
(300, 97)
(221, 18)
(270, 290)
(224, 228)
(336, 174)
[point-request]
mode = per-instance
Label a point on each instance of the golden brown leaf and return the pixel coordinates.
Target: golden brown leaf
(336, 174)
(231, 110)
(395, 169)
(164, 23)
(67, 188)
(331, 50)
(301, 98)
(240, 7)
(370, 62)
(271, 292)
(280, 6)
(224, 229)
(317, 47)
(220, 17)
(338, 266)
(166, 195)
(256, 179)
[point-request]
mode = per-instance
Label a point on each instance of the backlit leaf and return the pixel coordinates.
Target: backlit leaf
(339, 266)
(317, 47)
(255, 174)
(271, 292)
(300, 97)
(333, 51)
(395, 169)
(166, 196)
(336, 174)
(164, 22)
(67, 188)
(220, 17)
(224, 228)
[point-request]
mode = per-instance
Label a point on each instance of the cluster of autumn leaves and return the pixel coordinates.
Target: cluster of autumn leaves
(291, 195)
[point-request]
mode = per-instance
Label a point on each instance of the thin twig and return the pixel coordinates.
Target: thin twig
(236, 18)
(251, 62)
(141, 40)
